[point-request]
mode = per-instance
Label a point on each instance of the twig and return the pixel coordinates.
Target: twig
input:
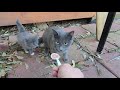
(113, 44)
(98, 59)
(106, 66)
(85, 49)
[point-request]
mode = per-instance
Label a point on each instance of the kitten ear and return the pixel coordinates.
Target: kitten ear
(55, 33)
(70, 34)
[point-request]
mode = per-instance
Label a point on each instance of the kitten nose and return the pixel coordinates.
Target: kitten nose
(61, 49)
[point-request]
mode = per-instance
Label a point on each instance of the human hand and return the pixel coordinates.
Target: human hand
(67, 71)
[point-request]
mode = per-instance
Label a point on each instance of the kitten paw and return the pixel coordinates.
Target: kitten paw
(26, 52)
(65, 60)
(32, 53)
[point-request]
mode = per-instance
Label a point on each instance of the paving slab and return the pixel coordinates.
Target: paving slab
(37, 69)
(90, 27)
(114, 38)
(113, 64)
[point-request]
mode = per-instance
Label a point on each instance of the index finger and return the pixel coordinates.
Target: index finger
(55, 68)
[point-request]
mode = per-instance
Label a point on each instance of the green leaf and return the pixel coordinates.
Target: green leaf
(4, 54)
(13, 62)
(78, 66)
(118, 50)
(0, 65)
(7, 69)
(2, 73)
(1, 62)
(19, 57)
(26, 66)
(73, 63)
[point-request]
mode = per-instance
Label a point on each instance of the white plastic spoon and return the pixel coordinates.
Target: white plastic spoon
(56, 57)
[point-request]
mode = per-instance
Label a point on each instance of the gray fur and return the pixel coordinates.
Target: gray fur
(56, 40)
(27, 40)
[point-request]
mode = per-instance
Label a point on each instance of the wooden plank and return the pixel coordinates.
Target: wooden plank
(9, 18)
(101, 18)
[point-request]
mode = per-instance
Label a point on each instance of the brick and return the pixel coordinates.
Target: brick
(90, 27)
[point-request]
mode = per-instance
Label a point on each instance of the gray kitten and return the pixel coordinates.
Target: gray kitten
(56, 40)
(27, 40)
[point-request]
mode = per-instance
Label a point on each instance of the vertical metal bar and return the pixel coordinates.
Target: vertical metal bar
(106, 30)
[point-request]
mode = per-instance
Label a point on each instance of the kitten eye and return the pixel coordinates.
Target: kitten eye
(65, 43)
(57, 42)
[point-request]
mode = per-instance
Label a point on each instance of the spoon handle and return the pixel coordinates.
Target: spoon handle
(58, 62)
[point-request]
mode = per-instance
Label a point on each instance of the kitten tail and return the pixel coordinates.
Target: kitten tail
(20, 26)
